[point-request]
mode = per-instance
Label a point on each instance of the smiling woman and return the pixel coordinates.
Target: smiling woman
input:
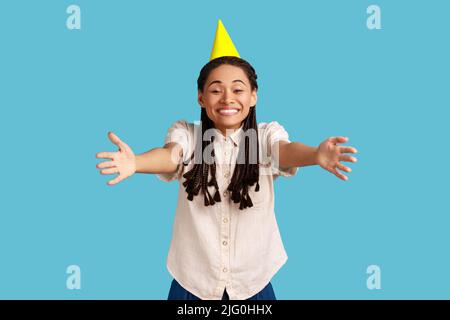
(227, 93)
(226, 240)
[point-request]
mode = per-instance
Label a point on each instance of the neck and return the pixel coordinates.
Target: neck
(226, 131)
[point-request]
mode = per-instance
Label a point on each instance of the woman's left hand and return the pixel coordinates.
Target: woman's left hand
(329, 155)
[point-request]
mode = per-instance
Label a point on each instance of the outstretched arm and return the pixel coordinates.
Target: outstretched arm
(125, 163)
(328, 155)
(160, 160)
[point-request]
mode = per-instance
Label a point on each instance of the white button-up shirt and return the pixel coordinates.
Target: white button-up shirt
(221, 246)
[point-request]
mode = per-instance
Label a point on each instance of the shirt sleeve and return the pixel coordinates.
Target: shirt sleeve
(179, 133)
(272, 133)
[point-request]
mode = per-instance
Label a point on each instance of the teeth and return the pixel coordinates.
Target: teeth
(228, 112)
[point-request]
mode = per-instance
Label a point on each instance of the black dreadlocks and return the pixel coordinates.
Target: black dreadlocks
(245, 174)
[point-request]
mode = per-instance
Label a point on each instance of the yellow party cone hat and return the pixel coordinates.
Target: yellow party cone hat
(223, 46)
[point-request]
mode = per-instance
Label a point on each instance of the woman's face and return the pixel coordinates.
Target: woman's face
(227, 97)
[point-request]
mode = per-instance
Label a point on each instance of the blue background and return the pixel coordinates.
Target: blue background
(132, 69)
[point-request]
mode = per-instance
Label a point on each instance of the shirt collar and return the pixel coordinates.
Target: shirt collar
(235, 137)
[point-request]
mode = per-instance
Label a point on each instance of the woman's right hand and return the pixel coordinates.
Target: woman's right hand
(122, 162)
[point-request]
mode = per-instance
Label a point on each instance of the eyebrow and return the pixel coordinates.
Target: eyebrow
(218, 81)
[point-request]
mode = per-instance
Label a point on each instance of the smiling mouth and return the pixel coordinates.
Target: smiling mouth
(228, 111)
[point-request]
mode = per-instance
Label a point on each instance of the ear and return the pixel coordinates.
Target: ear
(253, 98)
(200, 99)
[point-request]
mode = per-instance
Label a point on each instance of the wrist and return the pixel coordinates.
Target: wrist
(316, 155)
(136, 164)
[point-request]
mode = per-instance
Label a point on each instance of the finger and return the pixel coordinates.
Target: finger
(109, 155)
(106, 164)
(346, 149)
(340, 175)
(115, 180)
(109, 171)
(338, 139)
(340, 166)
(346, 158)
(115, 139)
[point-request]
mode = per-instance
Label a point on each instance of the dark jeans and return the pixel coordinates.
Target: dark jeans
(177, 292)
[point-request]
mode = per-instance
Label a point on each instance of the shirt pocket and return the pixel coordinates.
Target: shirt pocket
(257, 198)
(264, 197)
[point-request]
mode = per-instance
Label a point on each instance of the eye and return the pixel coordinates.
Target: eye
(238, 90)
(214, 91)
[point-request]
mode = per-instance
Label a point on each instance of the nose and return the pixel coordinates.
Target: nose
(227, 97)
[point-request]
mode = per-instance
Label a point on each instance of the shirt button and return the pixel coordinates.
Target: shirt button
(225, 220)
(225, 269)
(224, 243)
(225, 193)
(226, 175)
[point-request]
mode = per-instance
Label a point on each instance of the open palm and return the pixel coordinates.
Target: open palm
(122, 162)
(330, 154)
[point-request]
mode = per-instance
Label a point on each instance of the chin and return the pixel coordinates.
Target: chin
(230, 122)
